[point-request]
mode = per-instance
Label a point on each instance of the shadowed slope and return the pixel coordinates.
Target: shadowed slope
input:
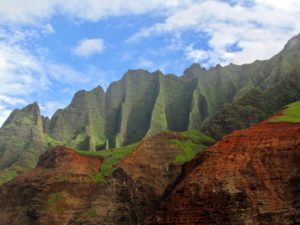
(249, 177)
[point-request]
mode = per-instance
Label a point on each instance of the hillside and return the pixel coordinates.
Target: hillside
(120, 186)
(249, 177)
(216, 100)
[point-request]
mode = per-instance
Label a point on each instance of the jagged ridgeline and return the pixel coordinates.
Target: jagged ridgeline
(217, 100)
(140, 104)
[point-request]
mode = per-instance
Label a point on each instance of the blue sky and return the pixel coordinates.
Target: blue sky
(49, 49)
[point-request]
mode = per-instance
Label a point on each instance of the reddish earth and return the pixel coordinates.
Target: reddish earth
(52, 193)
(251, 176)
(61, 189)
(139, 183)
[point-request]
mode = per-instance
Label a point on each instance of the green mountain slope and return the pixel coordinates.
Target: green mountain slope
(141, 104)
(82, 124)
(22, 141)
(254, 106)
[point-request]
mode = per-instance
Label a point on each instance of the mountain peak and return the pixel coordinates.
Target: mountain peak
(31, 109)
(293, 42)
(98, 90)
(193, 70)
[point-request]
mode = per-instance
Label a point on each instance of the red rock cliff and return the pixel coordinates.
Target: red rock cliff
(250, 177)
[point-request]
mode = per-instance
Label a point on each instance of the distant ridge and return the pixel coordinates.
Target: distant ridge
(218, 100)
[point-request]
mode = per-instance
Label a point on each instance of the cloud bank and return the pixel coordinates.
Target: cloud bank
(237, 31)
(259, 29)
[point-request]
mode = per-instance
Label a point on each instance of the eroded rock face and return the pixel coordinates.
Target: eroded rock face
(137, 186)
(61, 190)
(51, 193)
(249, 177)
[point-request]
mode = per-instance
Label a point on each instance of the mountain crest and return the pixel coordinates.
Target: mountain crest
(293, 43)
(31, 110)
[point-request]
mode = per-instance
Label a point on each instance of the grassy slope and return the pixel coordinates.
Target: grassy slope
(291, 114)
(111, 157)
(195, 142)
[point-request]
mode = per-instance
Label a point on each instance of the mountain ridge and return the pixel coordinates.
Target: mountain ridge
(143, 104)
(244, 178)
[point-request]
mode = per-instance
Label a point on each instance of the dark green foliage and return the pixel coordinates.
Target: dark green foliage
(218, 100)
(255, 106)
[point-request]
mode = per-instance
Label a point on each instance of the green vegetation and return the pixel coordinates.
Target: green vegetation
(217, 101)
(198, 137)
(7, 175)
(189, 150)
(55, 203)
(82, 124)
(21, 139)
(92, 212)
(50, 142)
(111, 157)
(291, 114)
(195, 143)
(255, 106)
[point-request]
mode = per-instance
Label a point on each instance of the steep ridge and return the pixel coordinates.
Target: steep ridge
(65, 187)
(218, 101)
(76, 125)
(21, 141)
(142, 103)
(249, 177)
(254, 106)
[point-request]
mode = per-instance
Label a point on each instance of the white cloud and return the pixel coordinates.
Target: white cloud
(50, 107)
(267, 24)
(32, 12)
(64, 73)
(21, 74)
(11, 100)
(195, 55)
(4, 114)
(26, 74)
(146, 64)
(48, 29)
(20, 71)
(89, 47)
(260, 30)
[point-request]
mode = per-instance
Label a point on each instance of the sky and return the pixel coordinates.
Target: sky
(49, 49)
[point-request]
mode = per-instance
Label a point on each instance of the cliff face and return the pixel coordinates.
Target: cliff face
(217, 101)
(249, 177)
(142, 104)
(66, 188)
(51, 192)
(21, 141)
